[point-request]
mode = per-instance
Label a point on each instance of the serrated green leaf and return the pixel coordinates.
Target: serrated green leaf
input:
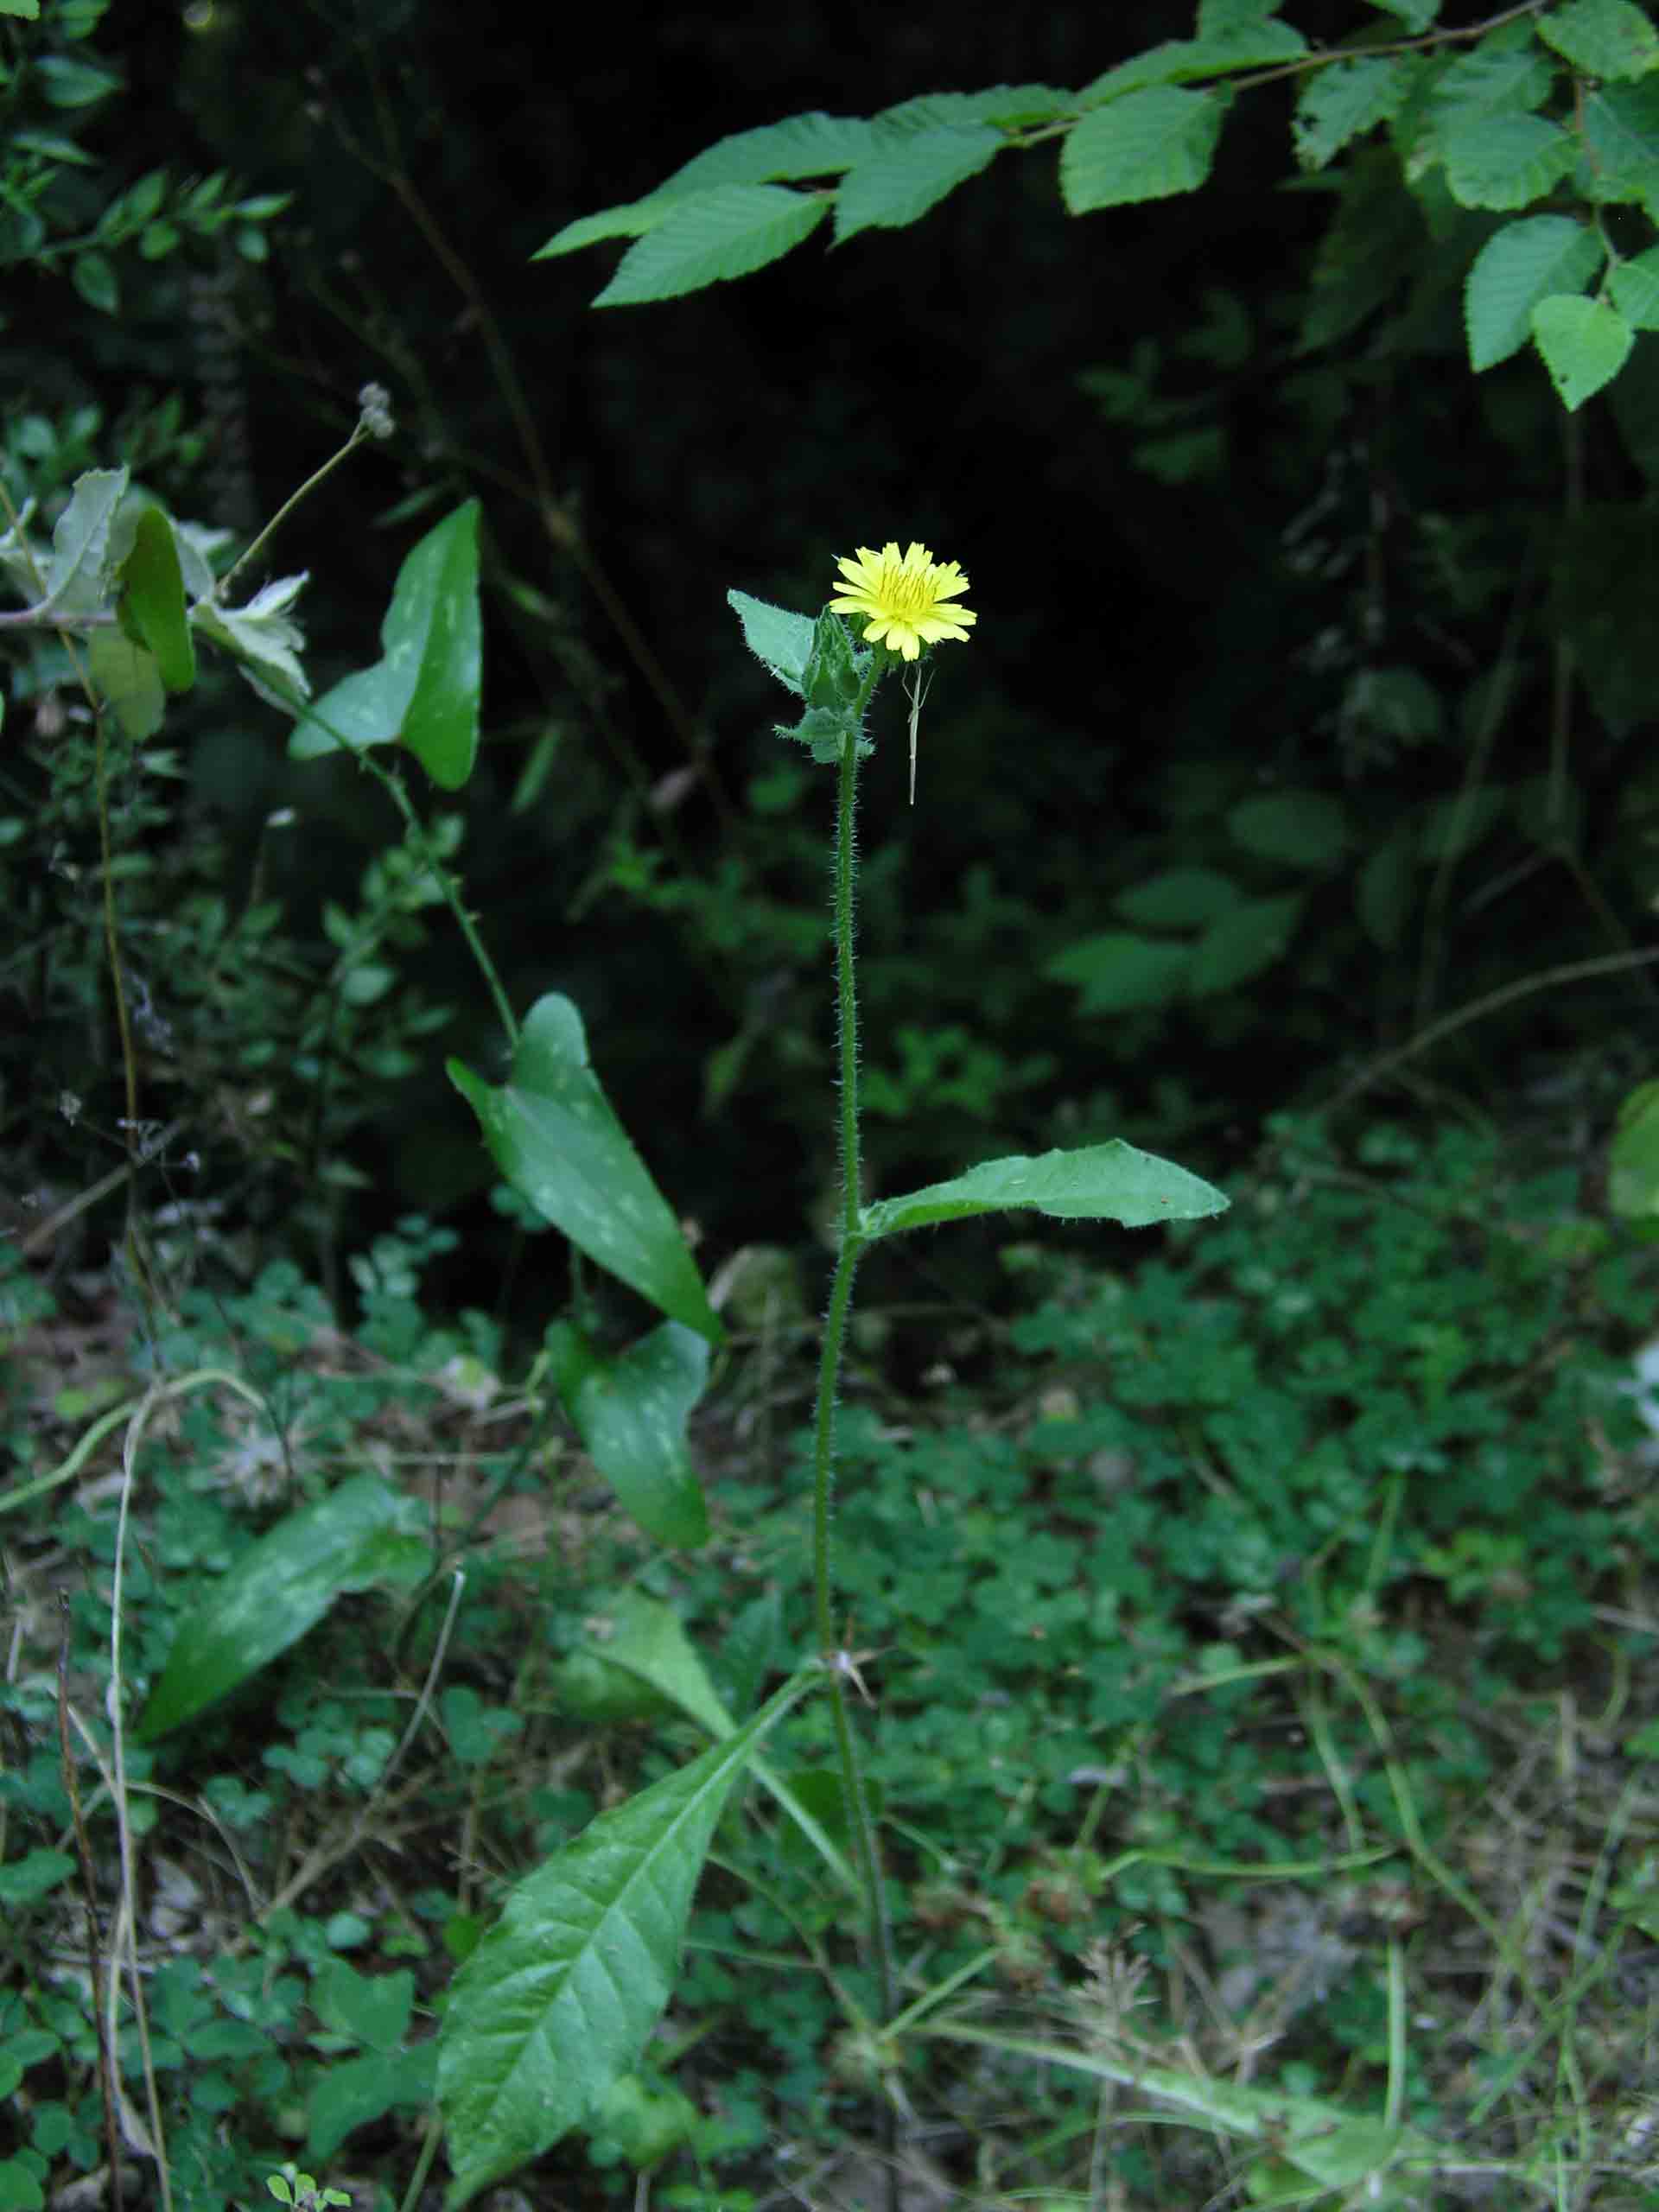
(361, 1534)
(552, 1133)
(773, 634)
(1635, 288)
(1011, 107)
(127, 678)
(727, 231)
(1146, 145)
(1177, 899)
(1504, 75)
(816, 145)
(1620, 124)
(910, 173)
(631, 1412)
(802, 146)
(1304, 829)
(1254, 938)
(424, 690)
(75, 579)
(1188, 60)
(1096, 1182)
(1585, 344)
(554, 2005)
(1117, 971)
(1345, 101)
(153, 593)
(1518, 266)
(1505, 161)
(1604, 38)
(30, 9)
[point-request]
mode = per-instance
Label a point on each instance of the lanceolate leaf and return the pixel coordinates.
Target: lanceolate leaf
(1144, 146)
(630, 1413)
(727, 231)
(1099, 1182)
(363, 1533)
(553, 1134)
(557, 2002)
(424, 690)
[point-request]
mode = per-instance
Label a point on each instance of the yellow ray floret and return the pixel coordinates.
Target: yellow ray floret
(907, 600)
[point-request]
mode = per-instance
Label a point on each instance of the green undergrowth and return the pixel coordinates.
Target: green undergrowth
(1258, 1656)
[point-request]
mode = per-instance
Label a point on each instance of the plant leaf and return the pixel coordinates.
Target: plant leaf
(75, 582)
(1635, 288)
(910, 172)
(552, 1133)
(1585, 344)
(152, 591)
(1245, 943)
(1304, 829)
(647, 1641)
(1604, 38)
(1505, 161)
(361, 1534)
(1344, 102)
(630, 1413)
(1518, 266)
(1145, 145)
(1177, 899)
(128, 677)
(727, 231)
(557, 2002)
(1633, 1157)
(1119, 970)
(1096, 1182)
(424, 689)
(783, 640)
(264, 639)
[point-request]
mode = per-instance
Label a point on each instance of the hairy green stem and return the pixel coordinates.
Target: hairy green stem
(851, 1243)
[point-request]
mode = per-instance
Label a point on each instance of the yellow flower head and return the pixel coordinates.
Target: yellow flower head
(908, 601)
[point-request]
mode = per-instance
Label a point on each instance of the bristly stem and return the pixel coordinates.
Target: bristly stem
(851, 1243)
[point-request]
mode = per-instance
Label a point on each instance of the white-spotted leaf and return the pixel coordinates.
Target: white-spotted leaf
(630, 1413)
(552, 1133)
(362, 1534)
(1096, 1182)
(424, 689)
